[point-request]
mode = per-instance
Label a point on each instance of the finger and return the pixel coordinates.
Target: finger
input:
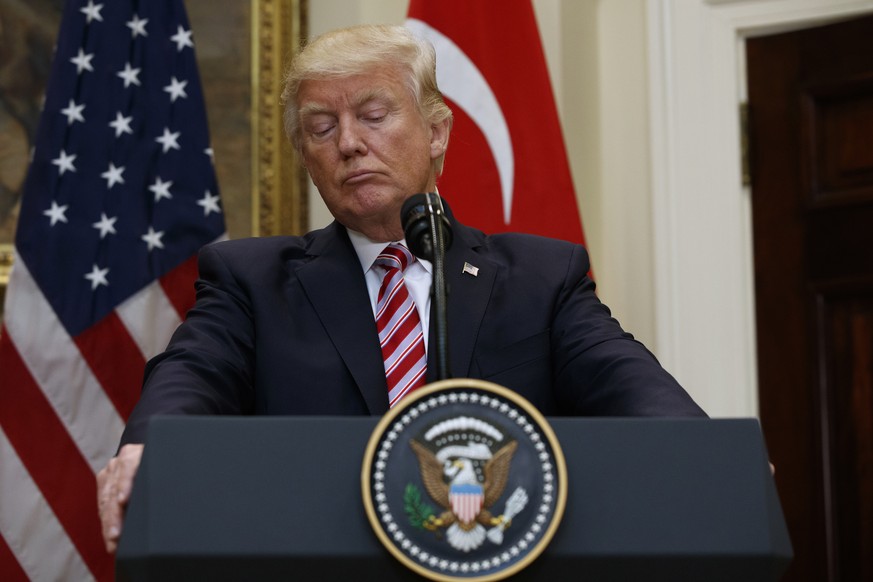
(109, 506)
(129, 458)
(115, 483)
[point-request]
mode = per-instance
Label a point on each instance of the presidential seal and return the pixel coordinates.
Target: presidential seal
(464, 480)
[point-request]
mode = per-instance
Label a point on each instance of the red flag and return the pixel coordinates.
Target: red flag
(506, 167)
(119, 196)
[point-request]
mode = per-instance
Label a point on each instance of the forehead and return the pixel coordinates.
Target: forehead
(380, 84)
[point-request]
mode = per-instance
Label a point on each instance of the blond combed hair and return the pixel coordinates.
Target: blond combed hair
(358, 50)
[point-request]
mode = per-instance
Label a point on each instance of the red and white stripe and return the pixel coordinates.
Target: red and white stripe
(399, 327)
(63, 404)
(466, 505)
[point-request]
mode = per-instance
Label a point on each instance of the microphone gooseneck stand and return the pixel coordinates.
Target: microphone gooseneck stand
(439, 291)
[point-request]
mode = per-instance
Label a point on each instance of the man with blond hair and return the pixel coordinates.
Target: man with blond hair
(289, 325)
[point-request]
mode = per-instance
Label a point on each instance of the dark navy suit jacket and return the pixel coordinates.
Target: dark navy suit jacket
(283, 326)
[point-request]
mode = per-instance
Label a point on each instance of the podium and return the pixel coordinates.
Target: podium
(230, 498)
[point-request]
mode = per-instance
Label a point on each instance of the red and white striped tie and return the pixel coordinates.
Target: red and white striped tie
(400, 331)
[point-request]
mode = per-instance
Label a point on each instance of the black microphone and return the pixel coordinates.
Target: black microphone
(419, 214)
(428, 234)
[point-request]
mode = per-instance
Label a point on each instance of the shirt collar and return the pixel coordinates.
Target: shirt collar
(368, 250)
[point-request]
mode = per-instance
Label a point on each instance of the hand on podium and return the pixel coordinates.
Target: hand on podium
(114, 483)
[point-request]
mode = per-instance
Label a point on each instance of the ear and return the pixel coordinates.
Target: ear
(439, 138)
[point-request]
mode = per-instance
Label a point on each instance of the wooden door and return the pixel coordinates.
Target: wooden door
(811, 139)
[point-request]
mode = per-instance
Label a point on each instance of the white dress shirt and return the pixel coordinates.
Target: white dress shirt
(418, 277)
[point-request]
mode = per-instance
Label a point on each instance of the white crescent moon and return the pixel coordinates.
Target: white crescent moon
(461, 81)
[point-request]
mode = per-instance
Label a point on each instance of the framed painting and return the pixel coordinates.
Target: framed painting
(242, 49)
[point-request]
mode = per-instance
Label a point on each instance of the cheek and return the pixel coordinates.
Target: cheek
(314, 165)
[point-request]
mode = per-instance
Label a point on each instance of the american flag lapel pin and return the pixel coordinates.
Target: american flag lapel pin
(471, 270)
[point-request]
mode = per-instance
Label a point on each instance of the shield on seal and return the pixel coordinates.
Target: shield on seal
(466, 501)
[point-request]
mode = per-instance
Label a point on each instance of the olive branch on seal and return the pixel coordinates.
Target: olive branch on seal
(418, 512)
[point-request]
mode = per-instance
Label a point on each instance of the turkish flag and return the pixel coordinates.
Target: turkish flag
(506, 167)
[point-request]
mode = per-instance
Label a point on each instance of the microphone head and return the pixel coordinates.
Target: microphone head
(414, 208)
(416, 226)
(416, 214)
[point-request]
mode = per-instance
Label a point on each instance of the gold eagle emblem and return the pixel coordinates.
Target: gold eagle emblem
(466, 479)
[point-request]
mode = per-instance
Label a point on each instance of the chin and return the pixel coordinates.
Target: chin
(373, 206)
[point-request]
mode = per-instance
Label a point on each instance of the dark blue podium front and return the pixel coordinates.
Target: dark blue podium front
(228, 498)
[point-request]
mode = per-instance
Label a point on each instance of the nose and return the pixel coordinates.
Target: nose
(351, 138)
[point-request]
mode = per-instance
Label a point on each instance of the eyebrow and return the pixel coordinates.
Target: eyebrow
(309, 109)
(364, 97)
(376, 94)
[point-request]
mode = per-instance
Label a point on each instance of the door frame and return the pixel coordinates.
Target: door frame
(701, 211)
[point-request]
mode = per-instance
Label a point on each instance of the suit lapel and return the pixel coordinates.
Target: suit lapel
(335, 285)
(467, 301)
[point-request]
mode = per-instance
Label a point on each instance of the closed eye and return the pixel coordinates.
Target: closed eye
(319, 125)
(320, 132)
(375, 115)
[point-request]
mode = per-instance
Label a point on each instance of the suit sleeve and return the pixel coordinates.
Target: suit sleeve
(207, 366)
(599, 369)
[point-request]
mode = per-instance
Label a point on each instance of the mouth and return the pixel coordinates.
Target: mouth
(358, 176)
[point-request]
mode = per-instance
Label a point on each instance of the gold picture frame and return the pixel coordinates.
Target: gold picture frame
(5, 268)
(271, 197)
(279, 186)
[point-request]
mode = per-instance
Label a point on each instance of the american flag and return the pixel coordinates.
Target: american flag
(120, 195)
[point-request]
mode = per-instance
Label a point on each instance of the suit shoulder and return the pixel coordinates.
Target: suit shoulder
(285, 247)
(531, 241)
(531, 255)
(530, 247)
(267, 244)
(258, 257)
